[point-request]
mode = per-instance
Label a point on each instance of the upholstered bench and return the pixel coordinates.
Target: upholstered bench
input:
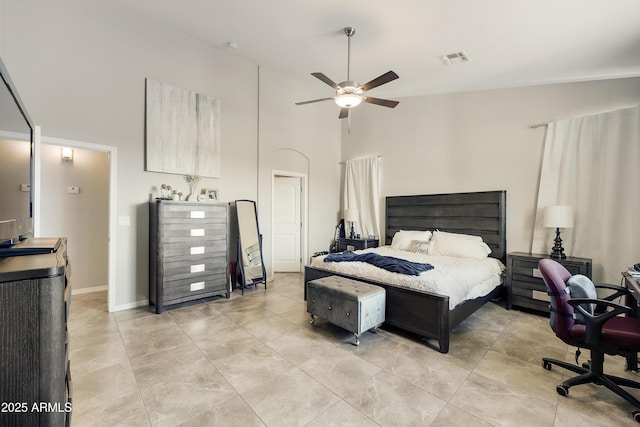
(352, 305)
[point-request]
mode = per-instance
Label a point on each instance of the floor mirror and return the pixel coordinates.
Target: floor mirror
(250, 261)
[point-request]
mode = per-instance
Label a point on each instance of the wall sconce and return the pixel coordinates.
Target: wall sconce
(558, 217)
(67, 154)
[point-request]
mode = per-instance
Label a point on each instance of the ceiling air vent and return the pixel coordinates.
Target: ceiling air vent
(454, 58)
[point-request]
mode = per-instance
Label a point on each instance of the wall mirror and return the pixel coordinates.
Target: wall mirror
(249, 258)
(16, 150)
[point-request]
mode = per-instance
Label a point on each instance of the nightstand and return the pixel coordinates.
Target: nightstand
(525, 287)
(345, 244)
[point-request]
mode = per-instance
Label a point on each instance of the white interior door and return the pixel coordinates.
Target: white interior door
(287, 225)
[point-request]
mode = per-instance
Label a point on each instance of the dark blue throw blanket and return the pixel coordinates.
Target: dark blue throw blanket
(389, 263)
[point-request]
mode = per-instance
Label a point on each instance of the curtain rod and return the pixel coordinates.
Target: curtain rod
(379, 156)
(538, 125)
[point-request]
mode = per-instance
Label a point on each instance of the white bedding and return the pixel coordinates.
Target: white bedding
(460, 278)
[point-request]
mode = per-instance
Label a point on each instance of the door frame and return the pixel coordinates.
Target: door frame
(111, 238)
(304, 213)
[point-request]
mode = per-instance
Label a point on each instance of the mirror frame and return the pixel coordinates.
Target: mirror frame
(19, 228)
(240, 254)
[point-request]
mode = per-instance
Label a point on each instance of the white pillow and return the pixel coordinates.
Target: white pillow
(458, 245)
(402, 240)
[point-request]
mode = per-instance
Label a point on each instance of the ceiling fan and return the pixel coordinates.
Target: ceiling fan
(350, 93)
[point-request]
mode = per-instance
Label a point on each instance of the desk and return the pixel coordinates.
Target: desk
(633, 300)
(633, 284)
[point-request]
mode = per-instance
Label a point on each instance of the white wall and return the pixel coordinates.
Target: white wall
(80, 67)
(477, 141)
(82, 218)
(299, 139)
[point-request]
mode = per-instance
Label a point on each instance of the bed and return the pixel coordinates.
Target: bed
(430, 314)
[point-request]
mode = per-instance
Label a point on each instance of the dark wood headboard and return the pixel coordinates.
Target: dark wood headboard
(481, 213)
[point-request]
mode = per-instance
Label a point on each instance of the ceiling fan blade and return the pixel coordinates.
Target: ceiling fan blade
(315, 100)
(344, 113)
(378, 101)
(385, 78)
(325, 79)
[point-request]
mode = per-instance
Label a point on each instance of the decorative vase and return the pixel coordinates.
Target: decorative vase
(193, 181)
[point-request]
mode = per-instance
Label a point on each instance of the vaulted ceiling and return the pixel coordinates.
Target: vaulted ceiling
(509, 42)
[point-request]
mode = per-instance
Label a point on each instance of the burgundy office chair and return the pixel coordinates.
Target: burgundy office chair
(603, 331)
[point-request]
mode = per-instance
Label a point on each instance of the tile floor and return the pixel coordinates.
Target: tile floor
(255, 360)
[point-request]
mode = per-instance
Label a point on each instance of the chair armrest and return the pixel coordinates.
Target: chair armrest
(619, 290)
(594, 323)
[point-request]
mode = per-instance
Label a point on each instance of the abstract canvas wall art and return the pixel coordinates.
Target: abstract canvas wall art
(182, 131)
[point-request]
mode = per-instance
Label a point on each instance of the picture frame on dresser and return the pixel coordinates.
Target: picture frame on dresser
(212, 194)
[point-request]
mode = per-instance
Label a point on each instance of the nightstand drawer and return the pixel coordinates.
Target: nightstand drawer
(532, 290)
(526, 268)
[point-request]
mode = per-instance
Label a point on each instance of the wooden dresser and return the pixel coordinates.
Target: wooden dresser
(524, 284)
(35, 297)
(188, 252)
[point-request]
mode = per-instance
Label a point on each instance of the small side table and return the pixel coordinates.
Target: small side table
(345, 244)
(525, 287)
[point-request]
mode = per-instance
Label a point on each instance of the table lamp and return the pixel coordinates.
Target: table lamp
(352, 215)
(558, 217)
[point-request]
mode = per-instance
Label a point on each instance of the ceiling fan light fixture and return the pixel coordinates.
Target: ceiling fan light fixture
(348, 100)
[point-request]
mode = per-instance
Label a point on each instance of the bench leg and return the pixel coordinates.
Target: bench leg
(357, 342)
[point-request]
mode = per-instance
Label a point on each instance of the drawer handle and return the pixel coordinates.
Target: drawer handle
(348, 314)
(197, 214)
(197, 250)
(198, 268)
(329, 307)
(536, 273)
(197, 232)
(198, 286)
(540, 296)
(313, 301)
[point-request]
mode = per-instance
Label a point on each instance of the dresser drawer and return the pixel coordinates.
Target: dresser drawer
(193, 250)
(190, 229)
(200, 267)
(198, 213)
(192, 288)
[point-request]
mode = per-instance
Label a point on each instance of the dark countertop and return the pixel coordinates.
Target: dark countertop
(31, 262)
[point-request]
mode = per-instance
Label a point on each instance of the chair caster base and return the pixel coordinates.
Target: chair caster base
(562, 390)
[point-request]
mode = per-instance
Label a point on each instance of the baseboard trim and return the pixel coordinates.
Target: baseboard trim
(79, 291)
(131, 305)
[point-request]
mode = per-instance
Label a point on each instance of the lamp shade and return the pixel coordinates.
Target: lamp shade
(352, 215)
(558, 217)
(67, 153)
(348, 100)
